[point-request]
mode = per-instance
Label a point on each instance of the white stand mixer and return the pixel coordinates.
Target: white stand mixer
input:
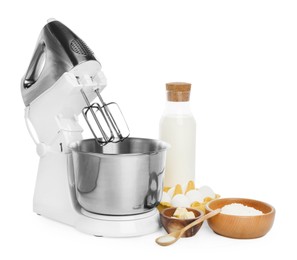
(61, 69)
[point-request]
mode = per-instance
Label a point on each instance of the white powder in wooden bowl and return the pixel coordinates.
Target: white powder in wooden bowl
(239, 209)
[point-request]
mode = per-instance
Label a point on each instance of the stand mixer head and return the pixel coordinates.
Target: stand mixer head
(57, 52)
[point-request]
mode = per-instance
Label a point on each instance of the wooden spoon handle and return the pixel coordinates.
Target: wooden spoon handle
(196, 222)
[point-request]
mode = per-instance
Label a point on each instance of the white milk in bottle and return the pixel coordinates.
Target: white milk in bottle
(178, 128)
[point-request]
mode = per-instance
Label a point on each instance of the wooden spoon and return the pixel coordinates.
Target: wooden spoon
(171, 238)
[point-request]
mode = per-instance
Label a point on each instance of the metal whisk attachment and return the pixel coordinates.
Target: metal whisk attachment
(106, 121)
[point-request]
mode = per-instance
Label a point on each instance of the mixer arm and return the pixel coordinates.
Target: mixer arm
(41, 148)
(58, 50)
(62, 69)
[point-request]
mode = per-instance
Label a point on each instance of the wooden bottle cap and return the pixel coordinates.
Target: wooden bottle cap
(178, 91)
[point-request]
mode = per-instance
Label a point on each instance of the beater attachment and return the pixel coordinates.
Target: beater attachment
(106, 121)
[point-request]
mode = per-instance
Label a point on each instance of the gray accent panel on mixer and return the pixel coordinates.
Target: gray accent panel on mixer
(58, 50)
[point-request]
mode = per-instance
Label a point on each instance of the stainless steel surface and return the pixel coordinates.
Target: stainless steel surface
(110, 118)
(122, 178)
(58, 50)
(90, 107)
(112, 132)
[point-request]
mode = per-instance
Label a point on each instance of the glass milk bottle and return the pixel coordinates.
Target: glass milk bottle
(178, 128)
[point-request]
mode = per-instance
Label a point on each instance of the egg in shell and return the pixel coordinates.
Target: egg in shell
(207, 192)
(175, 190)
(166, 198)
(180, 200)
(195, 195)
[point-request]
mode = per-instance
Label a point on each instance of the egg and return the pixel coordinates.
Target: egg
(180, 200)
(207, 192)
(166, 198)
(195, 195)
(170, 192)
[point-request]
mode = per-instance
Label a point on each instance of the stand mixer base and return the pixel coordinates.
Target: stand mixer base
(118, 226)
(60, 204)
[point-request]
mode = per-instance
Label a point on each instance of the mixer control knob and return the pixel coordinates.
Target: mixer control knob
(41, 149)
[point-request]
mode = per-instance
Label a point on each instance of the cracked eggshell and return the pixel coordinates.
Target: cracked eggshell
(180, 200)
(195, 195)
(207, 192)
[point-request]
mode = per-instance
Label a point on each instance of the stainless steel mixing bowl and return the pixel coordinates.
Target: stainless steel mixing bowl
(119, 178)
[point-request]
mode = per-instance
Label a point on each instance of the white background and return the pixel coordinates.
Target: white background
(241, 58)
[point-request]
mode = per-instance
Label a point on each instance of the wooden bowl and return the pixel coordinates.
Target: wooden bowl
(241, 226)
(173, 224)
